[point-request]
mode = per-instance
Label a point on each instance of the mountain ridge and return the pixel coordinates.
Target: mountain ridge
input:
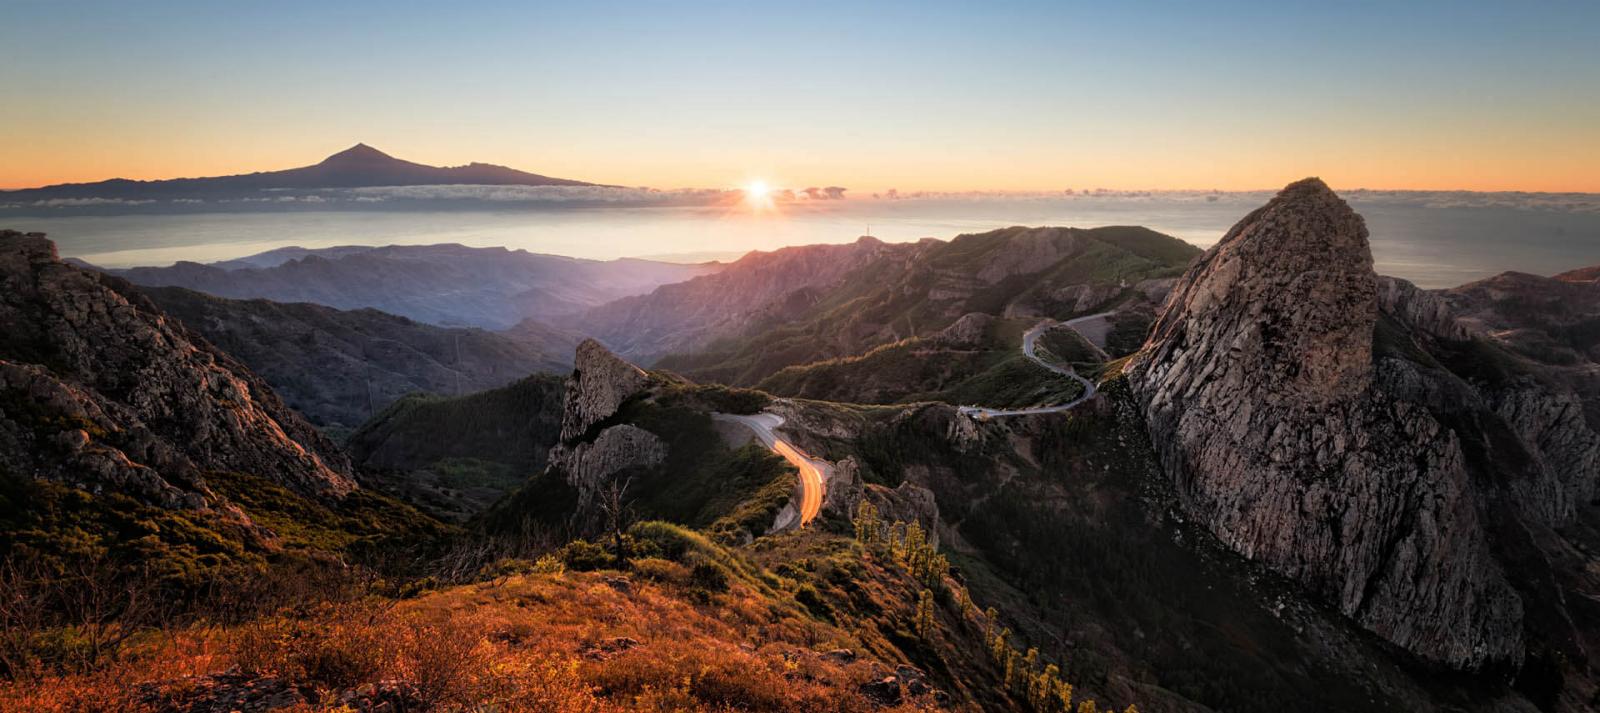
(358, 166)
(445, 284)
(340, 368)
(803, 304)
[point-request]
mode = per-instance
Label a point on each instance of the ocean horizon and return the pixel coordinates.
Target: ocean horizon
(1433, 244)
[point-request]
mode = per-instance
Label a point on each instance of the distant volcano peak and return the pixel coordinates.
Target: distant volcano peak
(358, 153)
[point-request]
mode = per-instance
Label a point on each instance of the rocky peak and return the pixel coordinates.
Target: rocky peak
(1293, 281)
(599, 384)
(358, 154)
(98, 388)
(1287, 442)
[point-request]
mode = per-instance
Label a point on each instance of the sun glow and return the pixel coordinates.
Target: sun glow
(758, 195)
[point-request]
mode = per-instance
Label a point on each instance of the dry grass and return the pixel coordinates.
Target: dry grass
(539, 642)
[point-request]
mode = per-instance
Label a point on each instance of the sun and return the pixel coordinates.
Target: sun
(756, 191)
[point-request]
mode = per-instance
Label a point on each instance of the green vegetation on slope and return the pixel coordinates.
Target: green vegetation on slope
(703, 482)
(187, 549)
(883, 303)
(991, 371)
(456, 455)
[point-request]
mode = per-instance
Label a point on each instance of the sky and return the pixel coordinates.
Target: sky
(869, 95)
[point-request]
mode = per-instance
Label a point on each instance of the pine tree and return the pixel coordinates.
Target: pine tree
(1011, 668)
(897, 532)
(998, 647)
(867, 524)
(1088, 707)
(935, 569)
(1025, 673)
(925, 622)
(913, 551)
(966, 604)
(1131, 709)
(1048, 682)
(1063, 695)
(990, 618)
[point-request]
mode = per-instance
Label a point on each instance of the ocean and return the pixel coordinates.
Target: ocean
(1434, 243)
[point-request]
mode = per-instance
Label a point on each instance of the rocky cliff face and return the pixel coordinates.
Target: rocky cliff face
(1519, 342)
(1295, 448)
(600, 382)
(100, 390)
(590, 465)
(1420, 309)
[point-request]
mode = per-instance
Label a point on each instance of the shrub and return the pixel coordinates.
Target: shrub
(549, 563)
(660, 570)
(809, 598)
(709, 576)
(584, 556)
(338, 648)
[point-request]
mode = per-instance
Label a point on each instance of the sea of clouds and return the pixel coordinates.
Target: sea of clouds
(555, 196)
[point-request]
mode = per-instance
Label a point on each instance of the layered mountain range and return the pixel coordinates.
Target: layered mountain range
(449, 285)
(800, 305)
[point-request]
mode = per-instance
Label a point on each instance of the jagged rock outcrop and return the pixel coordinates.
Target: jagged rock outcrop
(909, 502)
(100, 390)
(845, 488)
(590, 465)
(1419, 309)
(600, 383)
(1082, 298)
(972, 330)
(1259, 388)
(1564, 450)
(1542, 404)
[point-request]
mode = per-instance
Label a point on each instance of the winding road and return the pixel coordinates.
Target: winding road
(1028, 339)
(813, 472)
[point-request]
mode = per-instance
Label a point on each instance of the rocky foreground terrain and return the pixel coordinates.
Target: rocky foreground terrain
(104, 392)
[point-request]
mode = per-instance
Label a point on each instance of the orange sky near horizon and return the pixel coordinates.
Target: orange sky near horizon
(1527, 165)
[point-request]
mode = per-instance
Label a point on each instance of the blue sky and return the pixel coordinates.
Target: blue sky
(1025, 95)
